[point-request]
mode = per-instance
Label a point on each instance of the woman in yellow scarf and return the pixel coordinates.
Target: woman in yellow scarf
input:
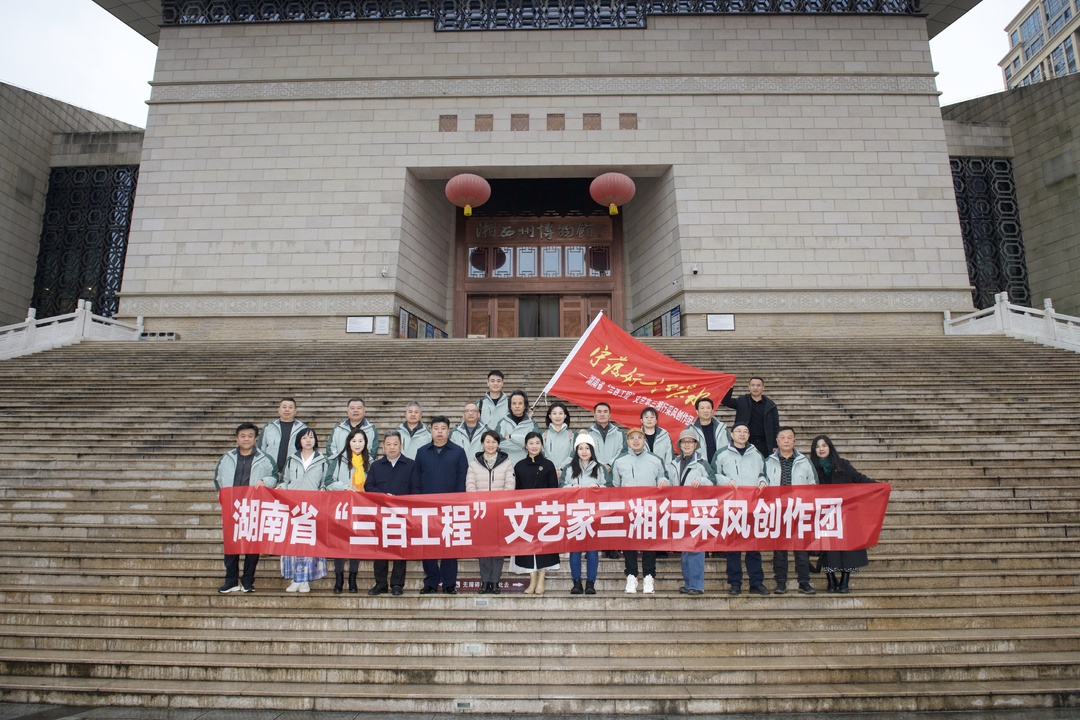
(350, 473)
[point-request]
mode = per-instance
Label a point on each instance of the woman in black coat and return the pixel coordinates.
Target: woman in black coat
(832, 469)
(535, 472)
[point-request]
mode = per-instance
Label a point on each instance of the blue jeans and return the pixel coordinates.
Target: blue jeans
(592, 562)
(693, 570)
(753, 569)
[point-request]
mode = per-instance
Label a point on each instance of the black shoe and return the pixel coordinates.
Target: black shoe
(834, 584)
(230, 587)
(339, 583)
(427, 590)
(377, 590)
(449, 591)
(612, 554)
(735, 590)
(806, 589)
(781, 588)
(684, 590)
(843, 586)
(247, 588)
(577, 589)
(352, 583)
(759, 590)
(495, 589)
(694, 591)
(590, 587)
(484, 589)
(397, 590)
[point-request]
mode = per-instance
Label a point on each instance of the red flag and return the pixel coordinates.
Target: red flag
(610, 365)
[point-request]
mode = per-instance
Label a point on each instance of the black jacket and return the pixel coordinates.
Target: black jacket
(390, 479)
(741, 406)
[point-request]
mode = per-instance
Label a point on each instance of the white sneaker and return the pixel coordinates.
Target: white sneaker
(631, 584)
(295, 587)
(304, 587)
(647, 585)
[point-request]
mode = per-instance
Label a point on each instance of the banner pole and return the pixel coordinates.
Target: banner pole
(573, 352)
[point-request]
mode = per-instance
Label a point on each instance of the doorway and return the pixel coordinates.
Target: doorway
(506, 316)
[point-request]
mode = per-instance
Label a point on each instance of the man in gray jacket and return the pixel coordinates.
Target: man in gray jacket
(609, 438)
(787, 466)
(638, 467)
(243, 466)
(277, 438)
(467, 435)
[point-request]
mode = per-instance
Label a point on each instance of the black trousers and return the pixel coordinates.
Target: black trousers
(780, 566)
(397, 577)
(232, 570)
(339, 565)
(648, 562)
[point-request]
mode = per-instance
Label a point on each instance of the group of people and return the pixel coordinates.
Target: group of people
(498, 446)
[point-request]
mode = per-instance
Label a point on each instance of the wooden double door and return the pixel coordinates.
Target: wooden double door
(549, 315)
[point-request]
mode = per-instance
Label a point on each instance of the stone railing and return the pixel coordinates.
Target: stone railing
(1003, 318)
(33, 335)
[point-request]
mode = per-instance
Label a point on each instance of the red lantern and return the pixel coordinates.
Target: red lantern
(612, 189)
(468, 190)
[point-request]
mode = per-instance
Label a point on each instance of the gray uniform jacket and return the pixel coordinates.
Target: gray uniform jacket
(270, 440)
(262, 468)
(460, 437)
(720, 432)
(662, 447)
(697, 468)
(491, 411)
(513, 436)
(802, 472)
(747, 469)
(340, 433)
(585, 479)
(559, 446)
(295, 477)
(411, 443)
(637, 470)
(611, 447)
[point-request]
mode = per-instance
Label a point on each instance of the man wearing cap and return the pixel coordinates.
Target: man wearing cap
(689, 469)
(787, 466)
(759, 413)
(638, 467)
(740, 464)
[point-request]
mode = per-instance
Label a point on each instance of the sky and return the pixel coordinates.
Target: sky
(75, 51)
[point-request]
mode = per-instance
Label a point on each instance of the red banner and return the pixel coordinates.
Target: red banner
(525, 522)
(610, 365)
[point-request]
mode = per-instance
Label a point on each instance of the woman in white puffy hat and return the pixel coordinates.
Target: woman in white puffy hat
(584, 471)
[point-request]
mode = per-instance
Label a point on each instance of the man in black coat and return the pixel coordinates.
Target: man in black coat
(440, 468)
(759, 413)
(391, 475)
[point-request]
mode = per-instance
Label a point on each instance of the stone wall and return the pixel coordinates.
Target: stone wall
(33, 139)
(789, 153)
(1044, 129)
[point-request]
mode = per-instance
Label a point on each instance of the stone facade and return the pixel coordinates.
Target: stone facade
(1044, 133)
(798, 163)
(36, 134)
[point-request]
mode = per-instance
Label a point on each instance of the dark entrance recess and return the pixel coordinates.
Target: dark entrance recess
(539, 259)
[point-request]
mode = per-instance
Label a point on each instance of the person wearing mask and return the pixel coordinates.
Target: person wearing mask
(490, 470)
(831, 469)
(390, 475)
(638, 468)
(243, 466)
(585, 470)
(349, 471)
(304, 470)
(535, 472)
(689, 469)
(441, 467)
(740, 464)
(787, 467)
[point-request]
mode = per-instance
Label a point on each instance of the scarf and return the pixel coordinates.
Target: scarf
(359, 475)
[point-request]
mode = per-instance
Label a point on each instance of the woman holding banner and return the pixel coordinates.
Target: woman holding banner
(832, 469)
(584, 470)
(535, 472)
(349, 472)
(304, 470)
(490, 470)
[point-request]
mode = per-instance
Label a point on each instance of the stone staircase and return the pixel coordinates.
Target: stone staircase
(110, 548)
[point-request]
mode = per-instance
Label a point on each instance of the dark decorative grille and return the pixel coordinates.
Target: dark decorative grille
(565, 197)
(84, 238)
(990, 225)
(503, 14)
